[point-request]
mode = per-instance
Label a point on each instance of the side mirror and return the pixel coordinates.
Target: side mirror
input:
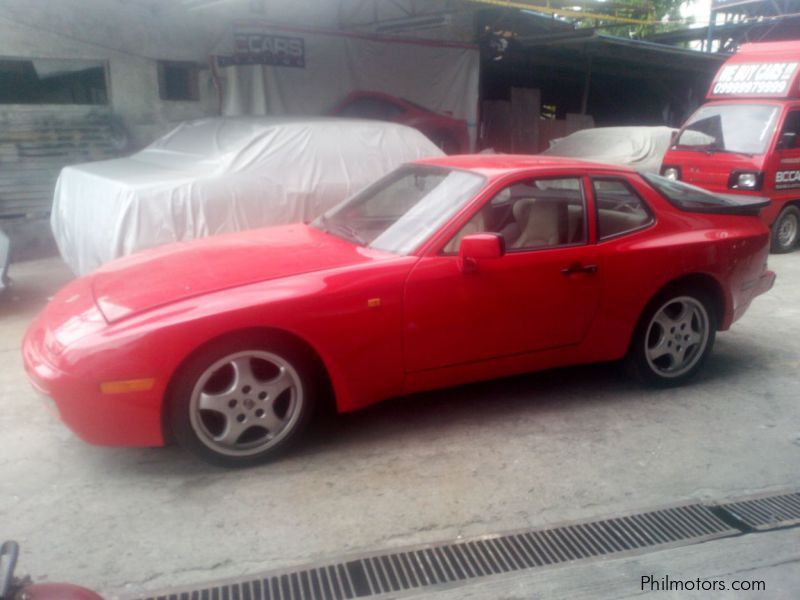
(477, 247)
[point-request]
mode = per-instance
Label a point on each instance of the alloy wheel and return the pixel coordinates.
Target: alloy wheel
(677, 336)
(246, 402)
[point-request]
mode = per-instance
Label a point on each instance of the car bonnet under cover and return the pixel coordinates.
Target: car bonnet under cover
(178, 271)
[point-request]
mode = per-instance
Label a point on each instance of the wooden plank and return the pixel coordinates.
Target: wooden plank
(526, 107)
(497, 125)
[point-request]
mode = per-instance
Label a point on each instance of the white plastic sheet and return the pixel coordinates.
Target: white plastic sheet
(439, 76)
(218, 175)
(641, 148)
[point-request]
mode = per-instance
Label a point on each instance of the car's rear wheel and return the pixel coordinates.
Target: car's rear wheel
(785, 230)
(673, 338)
(240, 403)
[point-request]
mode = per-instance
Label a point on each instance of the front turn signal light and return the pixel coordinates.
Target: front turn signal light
(128, 385)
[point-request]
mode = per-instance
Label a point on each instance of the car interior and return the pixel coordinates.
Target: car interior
(550, 212)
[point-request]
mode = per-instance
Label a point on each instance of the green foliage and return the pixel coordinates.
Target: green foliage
(658, 10)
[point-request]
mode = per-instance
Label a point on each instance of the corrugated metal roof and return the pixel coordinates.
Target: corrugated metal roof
(593, 43)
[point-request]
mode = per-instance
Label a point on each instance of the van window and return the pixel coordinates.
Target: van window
(742, 128)
(790, 134)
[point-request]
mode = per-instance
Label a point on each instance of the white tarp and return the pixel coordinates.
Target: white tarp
(641, 148)
(218, 175)
(266, 70)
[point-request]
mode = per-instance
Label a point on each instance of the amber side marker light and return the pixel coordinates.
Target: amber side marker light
(129, 385)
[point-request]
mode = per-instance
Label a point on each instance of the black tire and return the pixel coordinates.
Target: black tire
(227, 404)
(661, 330)
(784, 233)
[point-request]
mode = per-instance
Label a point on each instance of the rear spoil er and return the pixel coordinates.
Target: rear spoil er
(738, 205)
(449, 564)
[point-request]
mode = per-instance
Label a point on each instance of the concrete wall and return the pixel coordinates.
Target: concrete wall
(132, 36)
(130, 39)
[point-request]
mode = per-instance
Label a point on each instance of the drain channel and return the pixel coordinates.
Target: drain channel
(447, 563)
(766, 512)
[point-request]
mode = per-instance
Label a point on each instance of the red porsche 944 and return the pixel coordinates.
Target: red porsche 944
(445, 271)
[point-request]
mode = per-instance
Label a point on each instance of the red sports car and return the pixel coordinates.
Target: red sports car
(445, 271)
(449, 133)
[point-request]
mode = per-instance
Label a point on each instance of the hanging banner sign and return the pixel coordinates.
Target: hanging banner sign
(256, 47)
(755, 79)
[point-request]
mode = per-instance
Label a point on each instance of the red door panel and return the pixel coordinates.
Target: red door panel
(522, 302)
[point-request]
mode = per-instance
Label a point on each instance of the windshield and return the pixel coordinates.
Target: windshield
(403, 209)
(739, 128)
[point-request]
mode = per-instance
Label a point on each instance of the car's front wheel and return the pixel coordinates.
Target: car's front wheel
(785, 230)
(673, 337)
(240, 403)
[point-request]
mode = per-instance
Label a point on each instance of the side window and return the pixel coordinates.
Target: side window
(531, 214)
(619, 208)
(790, 134)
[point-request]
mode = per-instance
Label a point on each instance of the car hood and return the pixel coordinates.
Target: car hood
(174, 272)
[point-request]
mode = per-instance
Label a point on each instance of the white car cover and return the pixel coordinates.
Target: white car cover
(218, 175)
(641, 148)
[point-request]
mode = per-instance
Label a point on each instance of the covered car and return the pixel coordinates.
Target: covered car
(447, 132)
(218, 175)
(641, 148)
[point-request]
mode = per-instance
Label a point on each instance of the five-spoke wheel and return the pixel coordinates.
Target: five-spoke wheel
(673, 338)
(677, 336)
(239, 403)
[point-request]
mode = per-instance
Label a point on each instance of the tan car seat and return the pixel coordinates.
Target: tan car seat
(474, 225)
(539, 222)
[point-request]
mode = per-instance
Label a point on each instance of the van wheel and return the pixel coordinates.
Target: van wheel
(673, 338)
(242, 402)
(784, 230)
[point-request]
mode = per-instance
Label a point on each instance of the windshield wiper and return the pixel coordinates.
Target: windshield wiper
(342, 229)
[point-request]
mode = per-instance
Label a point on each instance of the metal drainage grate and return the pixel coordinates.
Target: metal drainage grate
(448, 563)
(767, 512)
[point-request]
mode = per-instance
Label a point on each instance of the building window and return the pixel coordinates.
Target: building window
(52, 81)
(178, 81)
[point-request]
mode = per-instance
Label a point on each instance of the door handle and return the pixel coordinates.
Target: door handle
(578, 268)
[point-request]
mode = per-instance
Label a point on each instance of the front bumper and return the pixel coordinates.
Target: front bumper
(130, 419)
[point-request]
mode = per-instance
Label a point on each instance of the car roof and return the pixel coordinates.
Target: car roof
(494, 165)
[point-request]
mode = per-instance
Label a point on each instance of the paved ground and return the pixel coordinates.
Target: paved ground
(509, 454)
